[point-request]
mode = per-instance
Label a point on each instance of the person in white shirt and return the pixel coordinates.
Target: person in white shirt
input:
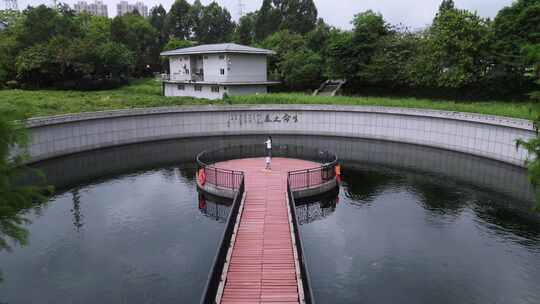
(268, 143)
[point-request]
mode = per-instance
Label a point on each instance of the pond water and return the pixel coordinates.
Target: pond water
(395, 237)
(409, 225)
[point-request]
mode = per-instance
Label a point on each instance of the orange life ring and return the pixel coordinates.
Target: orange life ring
(202, 177)
(338, 173)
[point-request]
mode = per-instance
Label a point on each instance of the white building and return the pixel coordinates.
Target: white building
(211, 70)
(3, 26)
(98, 8)
(124, 7)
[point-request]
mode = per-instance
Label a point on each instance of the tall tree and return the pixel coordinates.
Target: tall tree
(245, 31)
(138, 35)
(268, 20)
(458, 43)
(179, 22)
(215, 25)
(196, 13)
(157, 20)
(299, 16)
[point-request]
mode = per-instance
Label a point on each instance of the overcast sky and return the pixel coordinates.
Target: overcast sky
(412, 13)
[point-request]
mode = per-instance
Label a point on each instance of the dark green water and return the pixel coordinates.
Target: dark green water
(396, 237)
(410, 225)
(138, 238)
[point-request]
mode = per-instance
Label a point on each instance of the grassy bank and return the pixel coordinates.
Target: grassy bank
(147, 93)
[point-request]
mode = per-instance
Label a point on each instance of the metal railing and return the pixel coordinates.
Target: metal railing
(304, 272)
(300, 179)
(214, 278)
(218, 177)
(313, 177)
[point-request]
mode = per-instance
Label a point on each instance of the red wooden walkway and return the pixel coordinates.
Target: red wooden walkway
(263, 267)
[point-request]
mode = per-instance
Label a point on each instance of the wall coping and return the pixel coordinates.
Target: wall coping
(516, 123)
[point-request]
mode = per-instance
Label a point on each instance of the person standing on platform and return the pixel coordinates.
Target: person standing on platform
(268, 144)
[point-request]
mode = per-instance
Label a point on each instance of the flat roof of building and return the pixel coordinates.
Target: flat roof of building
(218, 48)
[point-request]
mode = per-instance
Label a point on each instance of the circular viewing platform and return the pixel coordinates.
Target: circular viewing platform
(308, 172)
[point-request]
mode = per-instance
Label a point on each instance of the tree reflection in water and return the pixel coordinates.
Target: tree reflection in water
(76, 210)
(364, 185)
(21, 190)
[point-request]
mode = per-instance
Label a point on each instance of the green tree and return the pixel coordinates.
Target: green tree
(10, 17)
(301, 69)
(179, 21)
(350, 53)
(17, 198)
(157, 19)
(138, 35)
(457, 49)
(215, 25)
(268, 21)
(299, 16)
(245, 31)
(174, 44)
(514, 28)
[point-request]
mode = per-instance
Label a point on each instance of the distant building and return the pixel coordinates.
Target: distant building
(98, 8)
(124, 7)
(212, 70)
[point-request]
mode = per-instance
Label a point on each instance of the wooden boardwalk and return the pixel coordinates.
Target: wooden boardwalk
(263, 267)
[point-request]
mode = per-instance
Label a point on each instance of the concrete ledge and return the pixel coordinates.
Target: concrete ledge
(216, 191)
(315, 191)
(481, 135)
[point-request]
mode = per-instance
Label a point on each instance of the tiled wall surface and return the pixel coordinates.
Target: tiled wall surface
(486, 136)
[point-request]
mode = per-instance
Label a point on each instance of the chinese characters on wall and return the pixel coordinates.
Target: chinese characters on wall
(263, 118)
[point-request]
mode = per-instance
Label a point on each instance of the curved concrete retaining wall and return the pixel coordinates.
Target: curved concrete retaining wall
(486, 136)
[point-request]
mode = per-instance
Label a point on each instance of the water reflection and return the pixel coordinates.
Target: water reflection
(368, 183)
(127, 225)
(427, 238)
(316, 208)
(76, 210)
(214, 207)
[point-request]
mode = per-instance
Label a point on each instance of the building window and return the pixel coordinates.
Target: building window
(215, 89)
(205, 57)
(221, 57)
(222, 71)
(186, 58)
(198, 88)
(224, 88)
(181, 87)
(199, 57)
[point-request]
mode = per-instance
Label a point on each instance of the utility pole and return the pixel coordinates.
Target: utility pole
(11, 5)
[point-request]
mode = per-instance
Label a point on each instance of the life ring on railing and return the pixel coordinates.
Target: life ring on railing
(338, 173)
(202, 177)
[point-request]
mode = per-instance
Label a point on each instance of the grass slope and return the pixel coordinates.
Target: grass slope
(147, 93)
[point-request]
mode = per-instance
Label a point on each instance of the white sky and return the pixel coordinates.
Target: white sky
(412, 13)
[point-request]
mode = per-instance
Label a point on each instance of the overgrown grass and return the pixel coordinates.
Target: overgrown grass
(147, 93)
(509, 109)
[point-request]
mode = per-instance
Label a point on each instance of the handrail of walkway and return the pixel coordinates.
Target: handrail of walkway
(304, 272)
(217, 177)
(216, 273)
(314, 177)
